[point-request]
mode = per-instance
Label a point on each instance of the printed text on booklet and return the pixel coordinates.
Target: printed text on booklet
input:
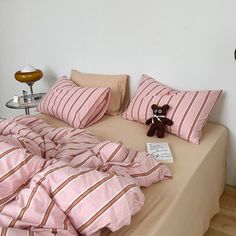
(160, 151)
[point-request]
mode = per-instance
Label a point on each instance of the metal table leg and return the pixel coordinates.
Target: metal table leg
(27, 112)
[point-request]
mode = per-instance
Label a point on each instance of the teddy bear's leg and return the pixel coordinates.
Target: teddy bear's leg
(151, 131)
(160, 132)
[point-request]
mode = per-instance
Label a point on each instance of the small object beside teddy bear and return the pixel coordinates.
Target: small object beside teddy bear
(158, 121)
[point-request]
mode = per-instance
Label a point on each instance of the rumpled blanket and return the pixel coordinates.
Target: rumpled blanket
(64, 181)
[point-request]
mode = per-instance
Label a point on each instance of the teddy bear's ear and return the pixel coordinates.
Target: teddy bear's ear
(154, 106)
(166, 107)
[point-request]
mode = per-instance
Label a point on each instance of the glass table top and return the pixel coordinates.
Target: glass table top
(22, 104)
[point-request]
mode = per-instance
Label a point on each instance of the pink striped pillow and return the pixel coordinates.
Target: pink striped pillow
(79, 107)
(189, 110)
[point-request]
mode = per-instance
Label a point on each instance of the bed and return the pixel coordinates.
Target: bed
(185, 204)
(55, 155)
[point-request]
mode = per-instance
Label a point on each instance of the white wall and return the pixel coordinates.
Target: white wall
(187, 44)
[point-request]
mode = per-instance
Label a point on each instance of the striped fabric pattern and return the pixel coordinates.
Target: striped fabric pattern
(78, 106)
(64, 181)
(189, 110)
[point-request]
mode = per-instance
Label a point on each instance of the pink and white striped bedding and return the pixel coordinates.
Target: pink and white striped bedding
(78, 106)
(64, 181)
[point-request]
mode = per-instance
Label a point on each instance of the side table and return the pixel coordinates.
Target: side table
(26, 105)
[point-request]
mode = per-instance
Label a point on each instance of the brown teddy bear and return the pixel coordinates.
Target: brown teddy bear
(158, 121)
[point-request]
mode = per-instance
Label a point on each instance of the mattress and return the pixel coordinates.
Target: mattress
(184, 205)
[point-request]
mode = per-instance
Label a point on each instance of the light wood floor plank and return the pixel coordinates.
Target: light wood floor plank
(224, 223)
(228, 201)
(213, 232)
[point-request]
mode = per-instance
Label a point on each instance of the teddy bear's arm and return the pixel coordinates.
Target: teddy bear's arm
(168, 122)
(149, 121)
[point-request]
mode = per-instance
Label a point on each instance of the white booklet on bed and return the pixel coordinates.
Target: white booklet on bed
(160, 151)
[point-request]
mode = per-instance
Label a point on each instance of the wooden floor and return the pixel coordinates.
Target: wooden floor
(224, 223)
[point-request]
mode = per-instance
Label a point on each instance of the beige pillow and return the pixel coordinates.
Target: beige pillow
(119, 88)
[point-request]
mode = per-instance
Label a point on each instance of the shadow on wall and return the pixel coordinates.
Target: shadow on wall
(219, 110)
(50, 77)
(0, 112)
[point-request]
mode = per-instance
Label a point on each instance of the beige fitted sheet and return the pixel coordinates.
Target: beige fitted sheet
(184, 205)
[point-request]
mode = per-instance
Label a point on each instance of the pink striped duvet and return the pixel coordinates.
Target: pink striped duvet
(64, 181)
